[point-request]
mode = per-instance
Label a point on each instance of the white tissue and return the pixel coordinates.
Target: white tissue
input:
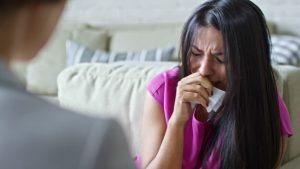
(214, 101)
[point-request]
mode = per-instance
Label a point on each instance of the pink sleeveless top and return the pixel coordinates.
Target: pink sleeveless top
(163, 89)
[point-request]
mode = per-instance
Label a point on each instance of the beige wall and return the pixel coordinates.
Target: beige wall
(286, 13)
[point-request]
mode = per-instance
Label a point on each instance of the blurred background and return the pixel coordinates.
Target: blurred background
(285, 13)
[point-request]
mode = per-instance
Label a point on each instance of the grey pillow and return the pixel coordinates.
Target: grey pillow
(285, 50)
(77, 53)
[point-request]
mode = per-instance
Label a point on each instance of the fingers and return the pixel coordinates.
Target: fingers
(193, 97)
(195, 88)
(196, 78)
(196, 74)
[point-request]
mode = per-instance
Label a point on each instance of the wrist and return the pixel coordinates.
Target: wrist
(177, 124)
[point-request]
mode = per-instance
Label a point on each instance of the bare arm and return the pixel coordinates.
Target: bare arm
(283, 143)
(161, 147)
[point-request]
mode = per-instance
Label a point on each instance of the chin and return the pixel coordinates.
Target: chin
(220, 86)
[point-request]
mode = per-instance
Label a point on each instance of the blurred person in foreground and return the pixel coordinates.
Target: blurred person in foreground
(35, 134)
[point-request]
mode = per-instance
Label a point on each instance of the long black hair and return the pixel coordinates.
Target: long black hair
(247, 134)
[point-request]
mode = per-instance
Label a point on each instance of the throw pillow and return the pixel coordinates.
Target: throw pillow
(77, 53)
(285, 50)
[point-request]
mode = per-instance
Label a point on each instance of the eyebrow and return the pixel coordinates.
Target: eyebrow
(195, 47)
(216, 54)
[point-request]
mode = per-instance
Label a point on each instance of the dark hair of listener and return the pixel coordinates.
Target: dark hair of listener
(247, 130)
(11, 5)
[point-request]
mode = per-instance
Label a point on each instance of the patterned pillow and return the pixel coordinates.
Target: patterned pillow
(285, 50)
(77, 53)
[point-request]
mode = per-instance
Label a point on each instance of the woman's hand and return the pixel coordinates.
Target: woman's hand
(193, 88)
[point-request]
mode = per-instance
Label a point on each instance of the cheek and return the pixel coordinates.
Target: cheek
(223, 73)
(194, 63)
(223, 76)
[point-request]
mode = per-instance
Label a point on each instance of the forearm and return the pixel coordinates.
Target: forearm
(171, 150)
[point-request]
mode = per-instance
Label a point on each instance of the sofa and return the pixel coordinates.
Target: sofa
(117, 90)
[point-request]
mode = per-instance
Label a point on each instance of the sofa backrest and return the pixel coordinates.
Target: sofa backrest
(144, 36)
(42, 72)
(40, 75)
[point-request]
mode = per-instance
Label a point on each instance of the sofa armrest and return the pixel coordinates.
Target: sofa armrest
(290, 89)
(116, 90)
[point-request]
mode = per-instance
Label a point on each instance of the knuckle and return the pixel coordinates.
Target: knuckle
(179, 88)
(180, 83)
(180, 91)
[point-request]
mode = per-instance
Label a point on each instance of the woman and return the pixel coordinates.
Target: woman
(224, 44)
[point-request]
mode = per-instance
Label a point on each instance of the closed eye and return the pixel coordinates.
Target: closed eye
(196, 54)
(219, 57)
(196, 51)
(219, 60)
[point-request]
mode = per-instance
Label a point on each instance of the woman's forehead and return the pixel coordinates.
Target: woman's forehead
(208, 37)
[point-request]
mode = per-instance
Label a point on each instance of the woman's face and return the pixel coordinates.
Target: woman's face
(207, 56)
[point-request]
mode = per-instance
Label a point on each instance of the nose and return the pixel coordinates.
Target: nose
(206, 66)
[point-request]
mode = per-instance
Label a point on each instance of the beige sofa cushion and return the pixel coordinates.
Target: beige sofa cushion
(116, 89)
(42, 71)
(145, 37)
(293, 164)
